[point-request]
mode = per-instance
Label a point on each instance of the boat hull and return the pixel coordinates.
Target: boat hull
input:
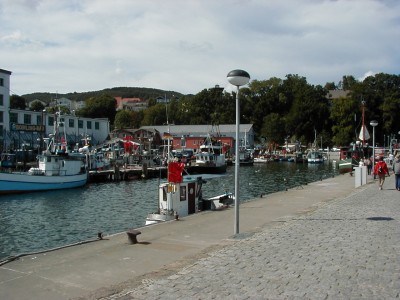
(15, 183)
(156, 218)
(259, 160)
(347, 165)
(207, 169)
(245, 163)
(315, 161)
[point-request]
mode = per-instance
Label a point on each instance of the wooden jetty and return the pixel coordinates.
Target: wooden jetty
(127, 172)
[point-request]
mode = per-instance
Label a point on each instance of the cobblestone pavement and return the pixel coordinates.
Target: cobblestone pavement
(346, 249)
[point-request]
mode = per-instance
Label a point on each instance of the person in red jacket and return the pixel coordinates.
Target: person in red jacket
(381, 169)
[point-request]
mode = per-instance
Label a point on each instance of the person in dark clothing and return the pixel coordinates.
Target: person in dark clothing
(396, 171)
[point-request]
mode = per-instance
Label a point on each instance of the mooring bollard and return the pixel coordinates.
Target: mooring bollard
(132, 235)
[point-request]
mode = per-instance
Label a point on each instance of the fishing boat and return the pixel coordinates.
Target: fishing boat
(349, 158)
(245, 158)
(210, 159)
(178, 197)
(314, 157)
(56, 169)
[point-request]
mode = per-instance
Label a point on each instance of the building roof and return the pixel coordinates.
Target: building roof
(5, 71)
(121, 101)
(196, 130)
(334, 94)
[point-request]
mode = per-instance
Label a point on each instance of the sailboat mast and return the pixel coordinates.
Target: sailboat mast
(363, 122)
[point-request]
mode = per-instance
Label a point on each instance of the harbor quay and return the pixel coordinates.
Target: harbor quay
(323, 240)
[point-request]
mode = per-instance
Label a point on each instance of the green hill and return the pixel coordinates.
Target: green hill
(126, 92)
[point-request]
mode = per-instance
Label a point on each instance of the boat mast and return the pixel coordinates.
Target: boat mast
(169, 134)
(363, 124)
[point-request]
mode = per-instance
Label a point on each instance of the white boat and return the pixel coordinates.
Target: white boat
(178, 197)
(219, 202)
(210, 159)
(53, 173)
(181, 196)
(261, 160)
(56, 170)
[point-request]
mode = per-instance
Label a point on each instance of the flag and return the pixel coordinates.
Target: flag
(175, 170)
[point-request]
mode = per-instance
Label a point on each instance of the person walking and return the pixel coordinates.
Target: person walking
(368, 163)
(381, 170)
(396, 171)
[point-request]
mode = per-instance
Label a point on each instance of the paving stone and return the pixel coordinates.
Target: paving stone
(346, 249)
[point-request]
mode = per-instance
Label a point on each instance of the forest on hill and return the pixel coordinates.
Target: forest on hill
(289, 109)
(125, 92)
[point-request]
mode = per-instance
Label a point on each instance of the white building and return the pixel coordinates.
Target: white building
(4, 102)
(26, 127)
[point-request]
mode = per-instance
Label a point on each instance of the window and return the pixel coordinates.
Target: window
(80, 124)
(27, 119)
(1, 130)
(183, 193)
(1, 117)
(1, 99)
(96, 125)
(50, 121)
(71, 123)
(1, 82)
(183, 142)
(13, 118)
(39, 120)
(89, 125)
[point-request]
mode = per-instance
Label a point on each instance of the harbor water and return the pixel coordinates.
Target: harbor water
(40, 221)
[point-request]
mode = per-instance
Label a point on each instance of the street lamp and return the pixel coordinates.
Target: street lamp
(237, 78)
(373, 124)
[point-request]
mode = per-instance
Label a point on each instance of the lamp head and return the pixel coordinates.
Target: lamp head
(373, 123)
(238, 77)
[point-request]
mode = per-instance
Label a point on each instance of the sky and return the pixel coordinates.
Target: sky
(186, 46)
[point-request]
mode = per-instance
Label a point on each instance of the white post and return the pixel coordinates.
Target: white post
(237, 162)
(237, 78)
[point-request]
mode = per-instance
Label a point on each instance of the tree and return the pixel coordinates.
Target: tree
(273, 128)
(381, 93)
(309, 111)
(347, 82)
(123, 120)
(154, 115)
(103, 106)
(37, 105)
(265, 98)
(390, 114)
(17, 102)
(342, 116)
(330, 86)
(128, 119)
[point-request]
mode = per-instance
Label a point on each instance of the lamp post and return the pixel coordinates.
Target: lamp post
(373, 124)
(237, 78)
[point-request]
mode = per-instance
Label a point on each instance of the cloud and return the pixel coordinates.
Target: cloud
(367, 74)
(187, 46)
